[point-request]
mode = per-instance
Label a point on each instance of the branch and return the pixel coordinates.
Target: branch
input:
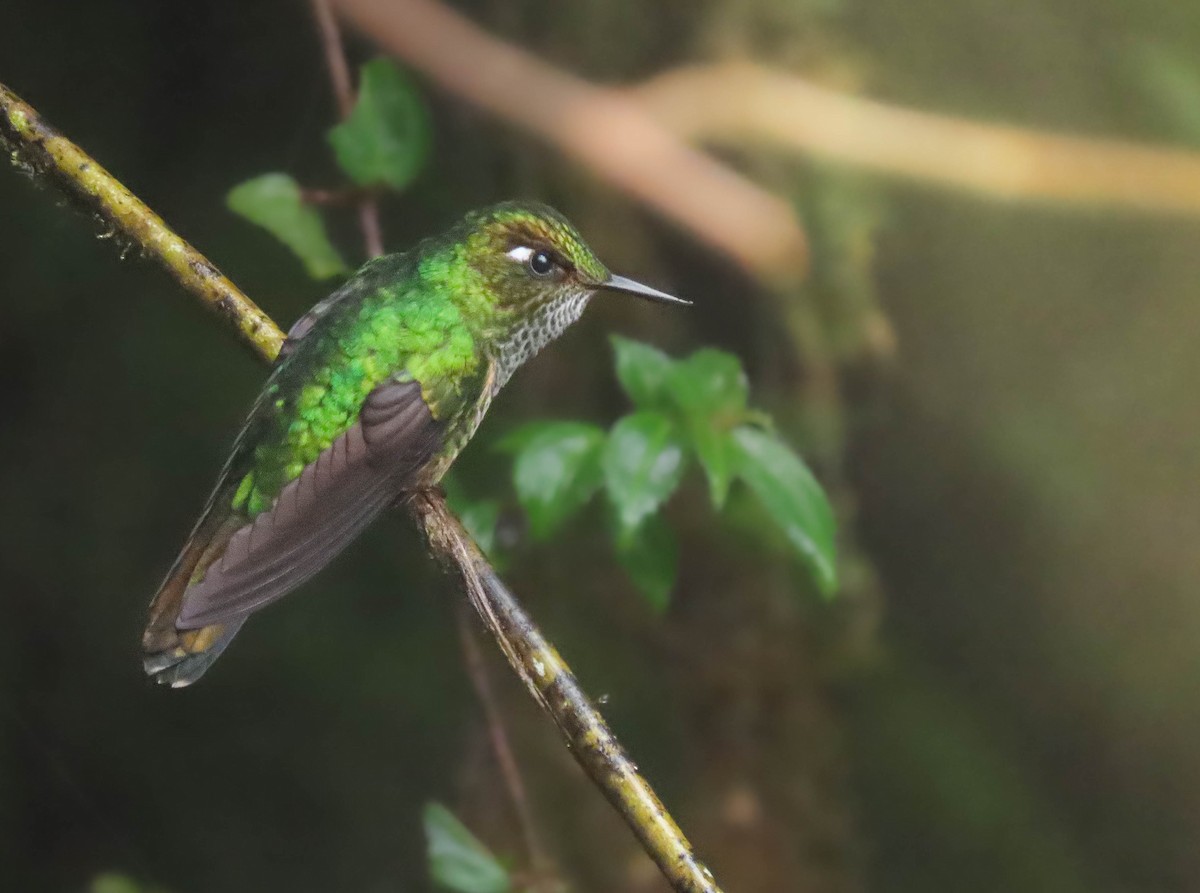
(535, 660)
(635, 138)
(616, 139)
(743, 103)
(48, 154)
(552, 684)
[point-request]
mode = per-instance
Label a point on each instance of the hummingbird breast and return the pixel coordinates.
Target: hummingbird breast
(534, 331)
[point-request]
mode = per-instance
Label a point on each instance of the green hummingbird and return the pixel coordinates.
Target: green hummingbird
(375, 392)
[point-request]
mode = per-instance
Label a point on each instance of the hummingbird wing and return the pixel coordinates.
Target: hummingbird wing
(319, 512)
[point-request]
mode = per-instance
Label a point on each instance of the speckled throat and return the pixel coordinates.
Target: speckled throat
(537, 330)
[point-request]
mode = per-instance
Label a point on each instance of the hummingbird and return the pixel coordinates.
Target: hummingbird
(374, 393)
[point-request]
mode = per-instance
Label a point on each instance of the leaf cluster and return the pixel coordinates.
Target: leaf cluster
(382, 145)
(690, 410)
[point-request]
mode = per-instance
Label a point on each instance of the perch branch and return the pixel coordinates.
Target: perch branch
(553, 685)
(343, 93)
(39, 148)
(617, 139)
(49, 154)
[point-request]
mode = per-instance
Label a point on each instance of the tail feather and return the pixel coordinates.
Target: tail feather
(178, 657)
(192, 654)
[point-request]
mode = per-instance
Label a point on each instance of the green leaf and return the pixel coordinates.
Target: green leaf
(557, 470)
(1171, 81)
(385, 140)
(710, 389)
(643, 372)
(273, 202)
(111, 882)
(480, 518)
(651, 556)
(793, 499)
(710, 384)
(457, 860)
(643, 464)
(717, 452)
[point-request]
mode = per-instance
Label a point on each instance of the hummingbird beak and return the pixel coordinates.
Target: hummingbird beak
(629, 287)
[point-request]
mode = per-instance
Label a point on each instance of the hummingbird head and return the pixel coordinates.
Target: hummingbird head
(530, 256)
(539, 275)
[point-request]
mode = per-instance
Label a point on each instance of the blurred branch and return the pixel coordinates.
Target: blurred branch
(343, 92)
(43, 151)
(615, 138)
(634, 139)
(742, 103)
(553, 685)
(48, 154)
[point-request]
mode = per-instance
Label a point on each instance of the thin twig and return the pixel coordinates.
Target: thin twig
(546, 676)
(51, 156)
(351, 195)
(511, 773)
(615, 138)
(343, 91)
(552, 684)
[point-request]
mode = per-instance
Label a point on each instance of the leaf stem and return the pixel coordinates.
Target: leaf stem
(343, 92)
(509, 770)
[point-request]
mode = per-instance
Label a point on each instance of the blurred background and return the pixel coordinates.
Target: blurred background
(995, 380)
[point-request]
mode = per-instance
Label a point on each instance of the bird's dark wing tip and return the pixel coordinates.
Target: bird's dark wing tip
(178, 667)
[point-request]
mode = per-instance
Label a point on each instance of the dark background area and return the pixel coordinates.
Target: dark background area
(1018, 477)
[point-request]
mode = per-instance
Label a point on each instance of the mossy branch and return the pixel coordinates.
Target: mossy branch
(36, 146)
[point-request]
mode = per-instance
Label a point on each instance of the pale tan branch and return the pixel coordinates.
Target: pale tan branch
(634, 138)
(740, 104)
(613, 137)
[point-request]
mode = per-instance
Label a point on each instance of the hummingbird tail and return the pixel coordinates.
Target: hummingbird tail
(190, 655)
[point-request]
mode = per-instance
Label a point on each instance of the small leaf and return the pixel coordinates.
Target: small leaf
(556, 472)
(480, 518)
(650, 556)
(710, 384)
(385, 140)
(457, 860)
(273, 202)
(710, 389)
(515, 440)
(111, 882)
(793, 499)
(1171, 81)
(643, 372)
(643, 464)
(716, 450)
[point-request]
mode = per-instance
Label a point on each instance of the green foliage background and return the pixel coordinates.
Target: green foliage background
(1020, 480)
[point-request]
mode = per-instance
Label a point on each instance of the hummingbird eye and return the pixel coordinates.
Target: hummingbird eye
(541, 263)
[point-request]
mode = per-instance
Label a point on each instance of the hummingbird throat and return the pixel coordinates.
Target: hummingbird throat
(535, 331)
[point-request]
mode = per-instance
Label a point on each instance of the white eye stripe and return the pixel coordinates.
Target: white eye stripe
(521, 253)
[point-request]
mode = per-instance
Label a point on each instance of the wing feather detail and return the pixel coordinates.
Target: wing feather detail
(317, 514)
